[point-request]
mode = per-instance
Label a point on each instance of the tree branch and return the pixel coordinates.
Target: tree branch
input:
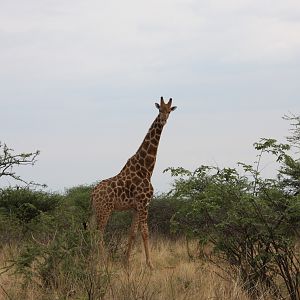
(9, 160)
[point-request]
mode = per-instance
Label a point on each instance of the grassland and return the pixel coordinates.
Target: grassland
(175, 277)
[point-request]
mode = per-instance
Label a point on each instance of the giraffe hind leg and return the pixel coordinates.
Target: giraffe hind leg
(101, 220)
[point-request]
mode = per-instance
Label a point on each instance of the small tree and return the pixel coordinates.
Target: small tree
(9, 160)
(291, 166)
(251, 223)
(294, 139)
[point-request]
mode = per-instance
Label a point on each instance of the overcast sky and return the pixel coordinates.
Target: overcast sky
(79, 79)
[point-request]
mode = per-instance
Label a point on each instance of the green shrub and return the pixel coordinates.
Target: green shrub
(68, 258)
(24, 211)
(26, 204)
(161, 210)
(251, 223)
(78, 199)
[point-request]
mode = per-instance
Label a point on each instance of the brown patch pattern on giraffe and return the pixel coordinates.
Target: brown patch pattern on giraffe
(131, 189)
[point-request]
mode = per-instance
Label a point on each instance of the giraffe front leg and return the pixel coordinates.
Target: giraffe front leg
(145, 235)
(132, 235)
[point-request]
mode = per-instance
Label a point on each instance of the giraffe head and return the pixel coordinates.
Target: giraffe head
(164, 109)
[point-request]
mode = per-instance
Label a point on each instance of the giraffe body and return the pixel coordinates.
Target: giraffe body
(131, 189)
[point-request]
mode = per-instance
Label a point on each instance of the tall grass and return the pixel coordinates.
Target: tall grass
(175, 277)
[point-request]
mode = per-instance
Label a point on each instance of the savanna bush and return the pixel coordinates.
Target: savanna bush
(23, 210)
(26, 204)
(251, 223)
(69, 262)
(161, 210)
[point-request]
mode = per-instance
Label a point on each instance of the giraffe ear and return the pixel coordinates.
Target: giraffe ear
(157, 105)
(173, 108)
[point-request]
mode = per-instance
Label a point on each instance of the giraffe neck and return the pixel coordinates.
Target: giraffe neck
(145, 156)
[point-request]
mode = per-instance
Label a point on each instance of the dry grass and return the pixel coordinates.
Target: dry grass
(174, 277)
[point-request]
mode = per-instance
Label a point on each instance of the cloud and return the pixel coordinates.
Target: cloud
(82, 39)
(82, 76)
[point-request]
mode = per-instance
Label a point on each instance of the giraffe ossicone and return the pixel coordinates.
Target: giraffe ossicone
(131, 189)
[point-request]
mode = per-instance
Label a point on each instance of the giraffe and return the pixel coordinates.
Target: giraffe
(131, 189)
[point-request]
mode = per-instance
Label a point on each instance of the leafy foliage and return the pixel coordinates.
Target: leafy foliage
(67, 258)
(294, 138)
(250, 222)
(26, 204)
(24, 211)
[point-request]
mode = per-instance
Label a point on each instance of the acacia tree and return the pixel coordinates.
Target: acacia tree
(249, 222)
(294, 139)
(291, 167)
(9, 161)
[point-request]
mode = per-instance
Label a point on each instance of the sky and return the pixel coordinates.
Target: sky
(79, 79)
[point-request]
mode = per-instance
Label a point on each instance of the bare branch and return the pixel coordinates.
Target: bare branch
(9, 160)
